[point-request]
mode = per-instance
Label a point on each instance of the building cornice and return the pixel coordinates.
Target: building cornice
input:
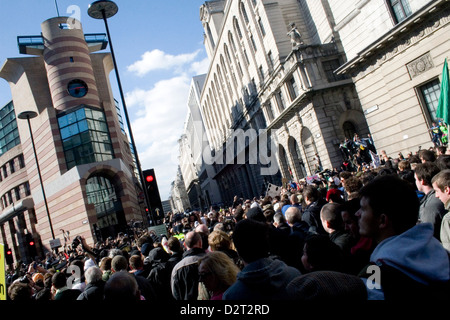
(402, 36)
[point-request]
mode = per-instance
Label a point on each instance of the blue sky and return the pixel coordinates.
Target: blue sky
(159, 48)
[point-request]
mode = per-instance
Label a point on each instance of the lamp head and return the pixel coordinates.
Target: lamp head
(97, 8)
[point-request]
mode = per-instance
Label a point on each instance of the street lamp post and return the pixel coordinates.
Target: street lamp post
(104, 9)
(29, 115)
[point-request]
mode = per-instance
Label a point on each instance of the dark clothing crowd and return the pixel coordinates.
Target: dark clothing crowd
(374, 234)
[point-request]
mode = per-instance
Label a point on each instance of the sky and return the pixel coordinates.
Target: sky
(158, 45)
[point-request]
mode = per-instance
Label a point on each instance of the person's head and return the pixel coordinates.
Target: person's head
(320, 253)
(293, 215)
(193, 240)
(423, 174)
(404, 165)
(294, 198)
(202, 228)
(427, 155)
(251, 239)
(255, 213)
(343, 176)
(353, 185)
(59, 280)
(119, 263)
(310, 194)
(105, 264)
(121, 287)
(174, 245)
(389, 206)
(441, 184)
(219, 240)
(93, 274)
(349, 219)
(217, 271)
(441, 150)
(19, 291)
(136, 262)
(331, 218)
(278, 219)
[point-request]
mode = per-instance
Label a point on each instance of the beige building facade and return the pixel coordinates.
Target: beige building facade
(271, 73)
(395, 51)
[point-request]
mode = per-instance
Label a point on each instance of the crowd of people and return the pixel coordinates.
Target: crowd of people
(366, 234)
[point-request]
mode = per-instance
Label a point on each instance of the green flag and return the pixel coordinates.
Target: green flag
(442, 111)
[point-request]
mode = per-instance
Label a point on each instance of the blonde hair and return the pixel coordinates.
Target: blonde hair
(219, 240)
(221, 266)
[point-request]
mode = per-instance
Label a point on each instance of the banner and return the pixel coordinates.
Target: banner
(2, 273)
(375, 159)
(273, 190)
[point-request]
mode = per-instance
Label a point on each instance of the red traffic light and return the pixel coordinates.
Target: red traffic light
(31, 243)
(9, 252)
(149, 178)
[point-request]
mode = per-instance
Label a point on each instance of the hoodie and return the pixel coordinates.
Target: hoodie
(263, 279)
(413, 261)
(415, 253)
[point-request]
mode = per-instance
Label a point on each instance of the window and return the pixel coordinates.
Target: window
(211, 40)
(270, 112)
(261, 27)
(17, 193)
(85, 137)
(430, 93)
(400, 9)
(11, 166)
(280, 100)
(271, 61)
(329, 67)
(101, 193)
(261, 73)
(27, 189)
(293, 89)
(9, 134)
(237, 28)
(21, 161)
(244, 13)
(252, 40)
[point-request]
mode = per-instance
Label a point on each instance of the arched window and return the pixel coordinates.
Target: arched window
(101, 192)
(237, 28)
(244, 12)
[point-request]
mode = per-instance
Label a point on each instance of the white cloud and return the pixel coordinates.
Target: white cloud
(200, 67)
(159, 60)
(161, 112)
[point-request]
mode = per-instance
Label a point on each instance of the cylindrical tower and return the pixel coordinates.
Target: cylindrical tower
(69, 67)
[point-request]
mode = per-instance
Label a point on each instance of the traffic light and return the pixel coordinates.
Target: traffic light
(8, 256)
(151, 187)
(31, 245)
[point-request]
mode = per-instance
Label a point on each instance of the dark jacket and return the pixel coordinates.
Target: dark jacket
(67, 295)
(432, 210)
(159, 276)
(184, 278)
(311, 215)
(263, 279)
(93, 291)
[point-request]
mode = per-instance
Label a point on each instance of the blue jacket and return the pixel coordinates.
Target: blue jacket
(263, 279)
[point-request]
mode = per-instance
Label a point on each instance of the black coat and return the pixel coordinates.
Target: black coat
(93, 291)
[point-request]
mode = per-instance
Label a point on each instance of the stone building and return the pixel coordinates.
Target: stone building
(83, 154)
(271, 83)
(395, 54)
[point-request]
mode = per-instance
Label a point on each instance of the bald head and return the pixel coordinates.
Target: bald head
(293, 215)
(193, 240)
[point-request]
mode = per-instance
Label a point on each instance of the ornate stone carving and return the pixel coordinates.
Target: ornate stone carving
(420, 65)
